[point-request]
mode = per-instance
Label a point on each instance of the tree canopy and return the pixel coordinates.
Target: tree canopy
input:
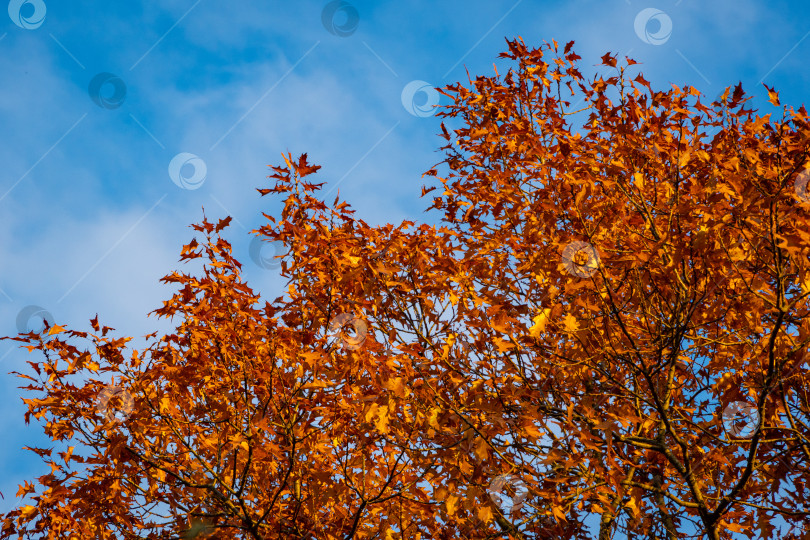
(606, 338)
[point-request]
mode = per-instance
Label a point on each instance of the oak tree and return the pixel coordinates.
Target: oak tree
(606, 338)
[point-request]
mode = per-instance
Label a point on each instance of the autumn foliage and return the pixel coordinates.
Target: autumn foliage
(619, 272)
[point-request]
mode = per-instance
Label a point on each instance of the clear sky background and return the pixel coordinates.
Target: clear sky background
(97, 99)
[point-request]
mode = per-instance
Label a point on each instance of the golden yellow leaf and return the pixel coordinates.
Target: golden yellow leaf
(371, 411)
(571, 324)
(540, 322)
(451, 503)
(484, 513)
(634, 507)
(56, 329)
(316, 384)
(382, 420)
(481, 448)
(684, 159)
(432, 419)
(397, 386)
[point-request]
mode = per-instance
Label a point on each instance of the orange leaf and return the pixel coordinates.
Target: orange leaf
(451, 503)
(540, 321)
(481, 448)
(56, 329)
(382, 420)
(773, 96)
(27, 511)
(570, 323)
(484, 513)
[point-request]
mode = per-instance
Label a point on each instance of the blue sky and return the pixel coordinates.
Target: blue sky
(92, 219)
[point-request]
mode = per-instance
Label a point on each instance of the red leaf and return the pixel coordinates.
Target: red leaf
(609, 60)
(223, 223)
